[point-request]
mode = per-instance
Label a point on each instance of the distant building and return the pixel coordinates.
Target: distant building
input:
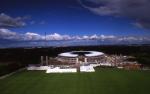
(81, 57)
(84, 61)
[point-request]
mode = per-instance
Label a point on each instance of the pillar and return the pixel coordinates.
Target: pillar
(85, 60)
(77, 60)
(46, 60)
(41, 60)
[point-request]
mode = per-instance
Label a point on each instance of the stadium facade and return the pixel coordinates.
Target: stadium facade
(81, 57)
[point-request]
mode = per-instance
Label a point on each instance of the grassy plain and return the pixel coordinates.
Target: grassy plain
(103, 81)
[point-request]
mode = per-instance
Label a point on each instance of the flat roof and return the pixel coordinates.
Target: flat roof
(78, 53)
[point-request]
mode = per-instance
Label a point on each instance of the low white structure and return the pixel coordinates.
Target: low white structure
(94, 65)
(49, 69)
(59, 70)
(105, 64)
(87, 69)
(37, 68)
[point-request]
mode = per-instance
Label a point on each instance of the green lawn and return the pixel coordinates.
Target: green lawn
(103, 81)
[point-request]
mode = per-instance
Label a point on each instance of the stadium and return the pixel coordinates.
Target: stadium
(81, 57)
(72, 61)
(83, 61)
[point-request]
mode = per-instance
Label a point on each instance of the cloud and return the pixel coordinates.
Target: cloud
(42, 22)
(94, 37)
(32, 22)
(107, 37)
(139, 10)
(8, 21)
(133, 39)
(85, 37)
(7, 34)
(57, 36)
(30, 36)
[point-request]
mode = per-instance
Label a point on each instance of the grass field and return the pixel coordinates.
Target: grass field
(103, 81)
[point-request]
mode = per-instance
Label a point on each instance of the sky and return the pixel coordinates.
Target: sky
(114, 20)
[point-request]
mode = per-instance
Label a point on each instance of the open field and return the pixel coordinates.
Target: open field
(103, 81)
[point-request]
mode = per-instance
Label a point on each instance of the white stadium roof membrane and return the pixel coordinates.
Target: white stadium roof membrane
(87, 53)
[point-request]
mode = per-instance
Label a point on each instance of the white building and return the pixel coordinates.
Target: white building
(81, 57)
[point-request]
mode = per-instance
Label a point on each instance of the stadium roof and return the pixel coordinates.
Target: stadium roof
(78, 53)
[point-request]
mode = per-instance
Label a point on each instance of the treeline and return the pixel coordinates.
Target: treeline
(14, 58)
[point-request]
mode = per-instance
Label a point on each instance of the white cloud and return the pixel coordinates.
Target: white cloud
(85, 37)
(57, 36)
(7, 34)
(54, 36)
(76, 37)
(94, 36)
(107, 37)
(30, 36)
(8, 21)
(134, 38)
(66, 37)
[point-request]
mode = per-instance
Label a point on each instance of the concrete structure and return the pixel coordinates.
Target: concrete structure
(87, 68)
(81, 57)
(37, 67)
(49, 69)
(59, 70)
(83, 61)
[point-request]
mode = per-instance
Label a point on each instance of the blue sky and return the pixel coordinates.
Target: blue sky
(74, 17)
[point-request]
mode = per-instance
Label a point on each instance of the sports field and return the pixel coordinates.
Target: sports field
(103, 81)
